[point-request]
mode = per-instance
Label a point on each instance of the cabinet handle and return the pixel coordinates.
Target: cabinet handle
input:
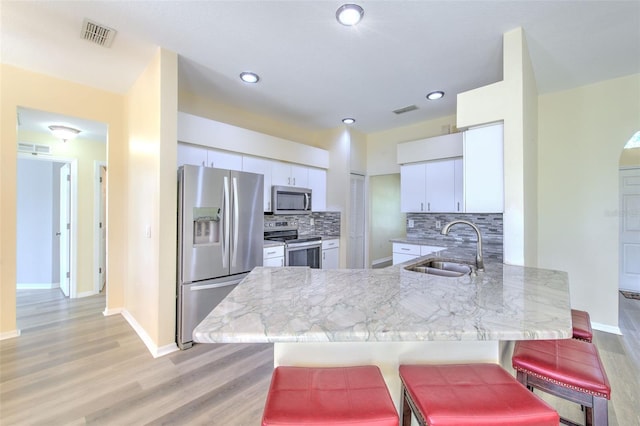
(324, 255)
(421, 207)
(288, 181)
(294, 181)
(268, 205)
(405, 249)
(428, 207)
(203, 163)
(458, 205)
(282, 262)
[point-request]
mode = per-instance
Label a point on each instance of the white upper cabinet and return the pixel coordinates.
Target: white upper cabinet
(318, 184)
(261, 166)
(484, 169)
(433, 186)
(285, 174)
(201, 156)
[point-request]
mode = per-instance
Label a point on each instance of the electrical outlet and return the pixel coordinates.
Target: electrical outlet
(411, 224)
(438, 224)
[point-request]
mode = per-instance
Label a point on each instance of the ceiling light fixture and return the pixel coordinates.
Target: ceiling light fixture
(249, 77)
(348, 120)
(64, 132)
(435, 95)
(349, 14)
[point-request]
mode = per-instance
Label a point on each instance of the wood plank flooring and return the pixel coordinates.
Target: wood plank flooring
(72, 366)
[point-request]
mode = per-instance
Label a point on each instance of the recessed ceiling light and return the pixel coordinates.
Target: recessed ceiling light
(435, 95)
(349, 14)
(249, 77)
(348, 120)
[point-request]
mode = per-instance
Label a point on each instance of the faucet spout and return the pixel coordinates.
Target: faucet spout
(479, 259)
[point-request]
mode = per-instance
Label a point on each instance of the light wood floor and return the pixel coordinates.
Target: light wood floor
(72, 365)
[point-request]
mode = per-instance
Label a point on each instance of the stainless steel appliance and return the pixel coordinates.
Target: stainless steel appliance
(220, 239)
(299, 250)
(290, 200)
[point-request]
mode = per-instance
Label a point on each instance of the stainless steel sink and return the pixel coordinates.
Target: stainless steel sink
(442, 267)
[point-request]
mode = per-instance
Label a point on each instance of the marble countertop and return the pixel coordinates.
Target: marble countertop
(298, 304)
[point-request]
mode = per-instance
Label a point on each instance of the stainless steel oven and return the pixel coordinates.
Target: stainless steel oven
(308, 253)
(299, 250)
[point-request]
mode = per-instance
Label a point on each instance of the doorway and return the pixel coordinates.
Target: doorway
(355, 247)
(46, 231)
(100, 226)
(629, 250)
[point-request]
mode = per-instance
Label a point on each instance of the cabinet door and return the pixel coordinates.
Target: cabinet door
(401, 257)
(261, 166)
(458, 175)
(281, 174)
(192, 154)
(412, 188)
(440, 186)
(484, 170)
(273, 262)
(299, 176)
(330, 258)
(318, 185)
(224, 160)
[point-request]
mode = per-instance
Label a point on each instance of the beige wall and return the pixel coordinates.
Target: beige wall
(87, 153)
(387, 221)
(31, 90)
(150, 289)
(581, 135)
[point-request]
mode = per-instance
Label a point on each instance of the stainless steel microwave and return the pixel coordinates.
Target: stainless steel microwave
(290, 200)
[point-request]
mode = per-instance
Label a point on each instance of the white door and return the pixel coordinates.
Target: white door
(65, 227)
(355, 253)
(630, 230)
(102, 265)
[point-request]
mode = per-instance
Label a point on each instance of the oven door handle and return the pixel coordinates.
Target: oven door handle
(308, 244)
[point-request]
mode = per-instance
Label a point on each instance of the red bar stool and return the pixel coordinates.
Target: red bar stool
(581, 325)
(305, 396)
(569, 369)
(469, 394)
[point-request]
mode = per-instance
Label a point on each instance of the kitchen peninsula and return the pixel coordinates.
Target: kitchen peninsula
(390, 316)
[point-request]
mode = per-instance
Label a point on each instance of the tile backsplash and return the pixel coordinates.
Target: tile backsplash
(326, 224)
(490, 225)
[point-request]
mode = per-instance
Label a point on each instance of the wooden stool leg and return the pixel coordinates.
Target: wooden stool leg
(405, 412)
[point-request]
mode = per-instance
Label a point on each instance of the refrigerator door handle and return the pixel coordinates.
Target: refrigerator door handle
(225, 236)
(236, 218)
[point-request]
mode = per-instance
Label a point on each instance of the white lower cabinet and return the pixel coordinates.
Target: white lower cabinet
(403, 252)
(330, 254)
(273, 256)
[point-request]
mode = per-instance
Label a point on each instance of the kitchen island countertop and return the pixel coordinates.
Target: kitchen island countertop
(298, 304)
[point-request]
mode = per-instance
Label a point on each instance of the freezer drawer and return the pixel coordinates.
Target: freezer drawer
(195, 301)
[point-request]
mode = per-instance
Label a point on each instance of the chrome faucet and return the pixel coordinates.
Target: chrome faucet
(479, 261)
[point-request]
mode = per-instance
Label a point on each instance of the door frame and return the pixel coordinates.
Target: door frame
(73, 240)
(621, 170)
(97, 206)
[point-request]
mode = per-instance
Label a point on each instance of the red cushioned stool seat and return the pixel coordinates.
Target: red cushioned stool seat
(305, 396)
(469, 394)
(581, 325)
(568, 368)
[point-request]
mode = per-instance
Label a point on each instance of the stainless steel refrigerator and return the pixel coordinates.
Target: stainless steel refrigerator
(220, 239)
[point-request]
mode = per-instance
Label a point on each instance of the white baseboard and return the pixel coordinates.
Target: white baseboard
(109, 312)
(9, 334)
(37, 286)
(606, 328)
(151, 346)
(381, 261)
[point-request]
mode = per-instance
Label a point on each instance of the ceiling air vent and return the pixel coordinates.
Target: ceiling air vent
(98, 34)
(405, 109)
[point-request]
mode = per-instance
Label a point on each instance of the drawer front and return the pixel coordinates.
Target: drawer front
(411, 249)
(425, 250)
(329, 244)
(269, 252)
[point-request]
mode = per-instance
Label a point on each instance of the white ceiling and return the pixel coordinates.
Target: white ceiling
(315, 71)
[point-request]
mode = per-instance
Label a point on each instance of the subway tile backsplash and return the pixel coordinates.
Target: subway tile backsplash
(326, 224)
(490, 225)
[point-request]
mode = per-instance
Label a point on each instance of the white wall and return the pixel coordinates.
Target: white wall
(581, 135)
